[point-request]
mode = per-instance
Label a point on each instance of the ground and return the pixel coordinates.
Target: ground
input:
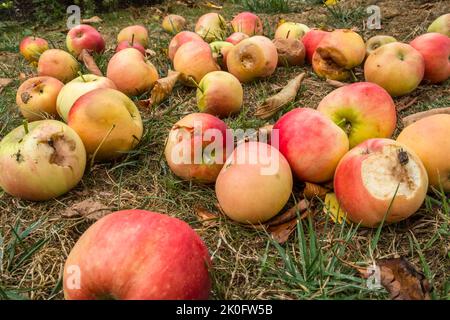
(35, 238)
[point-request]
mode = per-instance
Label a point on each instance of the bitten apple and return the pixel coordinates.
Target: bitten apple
(311, 40)
(291, 30)
(236, 37)
(173, 23)
(31, 48)
(380, 179)
(58, 64)
(377, 41)
(179, 39)
(441, 25)
(36, 97)
(84, 36)
(248, 23)
(135, 33)
(211, 27)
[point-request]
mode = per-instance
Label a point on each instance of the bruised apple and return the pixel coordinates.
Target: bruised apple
(58, 64)
(377, 41)
(380, 180)
(138, 255)
(248, 23)
(311, 40)
(41, 160)
(211, 27)
(254, 184)
(179, 39)
(291, 52)
(173, 23)
(31, 48)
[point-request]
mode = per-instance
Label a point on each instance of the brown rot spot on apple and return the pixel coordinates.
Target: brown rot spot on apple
(63, 149)
(403, 157)
(18, 156)
(25, 96)
(328, 64)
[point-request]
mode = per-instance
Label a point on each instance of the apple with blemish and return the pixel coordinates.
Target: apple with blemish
(58, 64)
(107, 121)
(396, 66)
(291, 52)
(36, 97)
(220, 50)
(78, 87)
(211, 27)
(84, 36)
(248, 23)
(236, 37)
(377, 41)
(131, 72)
(135, 33)
(363, 110)
(179, 39)
(311, 143)
(311, 40)
(291, 30)
(41, 160)
(173, 23)
(441, 25)
(31, 48)
(380, 180)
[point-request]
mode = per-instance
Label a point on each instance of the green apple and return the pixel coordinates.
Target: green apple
(378, 41)
(291, 30)
(441, 25)
(220, 51)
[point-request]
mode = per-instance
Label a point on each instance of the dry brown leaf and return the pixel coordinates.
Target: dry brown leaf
(4, 82)
(335, 83)
(89, 209)
(204, 214)
(212, 5)
(271, 105)
(420, 115)
(89, 62)
(334, 210)
(401, 279)
(280, 233)
(94, 19)
(162, 89)
(290, 214)
(312, 190)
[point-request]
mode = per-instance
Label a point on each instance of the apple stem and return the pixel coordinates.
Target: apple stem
(287, 34)
(25, 126)
(81, 75)
(195, 83)
(132, 39)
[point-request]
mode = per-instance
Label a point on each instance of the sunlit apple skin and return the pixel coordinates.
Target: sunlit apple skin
(42, 164)
(211, 27)
(429, 139)
(58, 64)
(236, 37)
(220, 94)
(337, 53)
(76, 88)
(125, 44)
(179, 39)
(435, 50)
(220, 51)
(138, 255)
(377, 41)
(291, 30)
(370, 180)
(291, 52)
(248, 23)
(311, 143)
(107, 120)
(441, 25)
(363, 110)
(311, 40)
(245, 191)
(32, 47)
(131, 72)
(86, 37)
(255, 57)
(134, 33)
(173, 23)
(36, 97)
(183, 134)
(397, 67)
(194, 59)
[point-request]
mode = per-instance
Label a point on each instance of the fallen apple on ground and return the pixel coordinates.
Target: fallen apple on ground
(133, 44)
(441, 25)
(236, 37)
(41, 160)
(134, 33)
(211, 27)
(36, 97)
(220, 51)
(254, 184)
(248, 23)
(84, 36)
(173, 23)
(380, 180)
(179, 39)
(377, 41)
(291, 52)
(58, 64)
(138, 255)
(311, 40)
(291, 30)
(31, 48)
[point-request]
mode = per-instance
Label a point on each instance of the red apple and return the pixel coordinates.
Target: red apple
(311, 40)
(211, 27)
(311, 143)
(134, 33)
(435, 49)
(32, 47)
(248, 23)
(125, 44)
(180, 39)
(138, 255)
(380, 178)
(236, 37)
(58, 64)
(86, 37)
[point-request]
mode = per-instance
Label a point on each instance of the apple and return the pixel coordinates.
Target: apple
(134, 33)
(311, 40)
(84, 36)
(58, 64)
(380, 178)
(32, 47)
(179, 39)
(441, 25)
(196, 147)
(220, 50)
(254, 184)
(194, 60)
(255, 57)
(363, 110)
(429, 139)
(107, 121)
(211, 27)
(337, 53)
(236, 37)
(126, 44)
(173, 23)
(36, 97)
(291, 30)
(219, 93)
(435, 49)
(311, 143)
(248, 23)
(138, 255)
(131, 72)
(76, 88)
(41, 160)
(291, 52)
(377, 41)
(397, 67)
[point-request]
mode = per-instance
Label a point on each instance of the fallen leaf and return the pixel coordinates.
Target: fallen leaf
(271, 105)
(89, 209)
(420, 115)
(312, 190)
(280, 22)
(212, 5)
(94, 19)
(333, 209)
(401, 279)
(89, 62)
(4, 82)
(290, 214)
(162, 89)
(335, 83)
(204, 214)
(280, 233)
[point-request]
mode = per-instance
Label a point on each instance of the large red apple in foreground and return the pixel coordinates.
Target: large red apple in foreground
(378, 178)
(138, 255)
(254, 184)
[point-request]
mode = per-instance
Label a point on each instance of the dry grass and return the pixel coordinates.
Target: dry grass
(35, 239)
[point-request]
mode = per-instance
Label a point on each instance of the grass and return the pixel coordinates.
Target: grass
(35, 238)
(343, 16)
(265, 6)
